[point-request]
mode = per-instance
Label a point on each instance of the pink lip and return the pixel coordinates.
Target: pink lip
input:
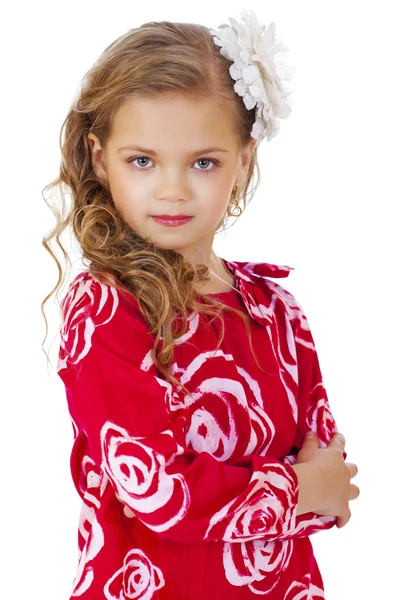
(171, 221)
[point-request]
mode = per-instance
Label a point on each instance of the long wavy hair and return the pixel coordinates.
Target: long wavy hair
(155, 58)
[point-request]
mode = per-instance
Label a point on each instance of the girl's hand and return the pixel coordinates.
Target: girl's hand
(127, 511)
(332, 476)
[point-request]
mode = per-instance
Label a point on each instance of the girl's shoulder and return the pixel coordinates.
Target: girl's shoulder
(266, 299)
(97, 315)
(88, 296)
(88, 287)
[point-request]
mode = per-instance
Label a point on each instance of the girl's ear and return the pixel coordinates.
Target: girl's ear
(97, 156)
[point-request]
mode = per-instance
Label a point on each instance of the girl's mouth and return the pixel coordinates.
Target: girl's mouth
(172, 221)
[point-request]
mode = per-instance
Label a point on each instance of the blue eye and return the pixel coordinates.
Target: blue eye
(142, 168)
(210, 161)
(136, 158)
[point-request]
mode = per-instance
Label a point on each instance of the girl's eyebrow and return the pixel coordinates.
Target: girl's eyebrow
(150, 151)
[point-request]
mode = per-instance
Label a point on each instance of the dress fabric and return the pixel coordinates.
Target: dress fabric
(209, 477)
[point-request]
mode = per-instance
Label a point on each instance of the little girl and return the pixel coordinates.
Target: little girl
(191, 379)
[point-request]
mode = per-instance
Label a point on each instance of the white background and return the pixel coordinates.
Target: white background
(327, 205)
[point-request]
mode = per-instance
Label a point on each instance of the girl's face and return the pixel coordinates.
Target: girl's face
(161, 159)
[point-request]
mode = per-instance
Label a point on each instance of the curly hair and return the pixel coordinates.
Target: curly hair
(155, 58)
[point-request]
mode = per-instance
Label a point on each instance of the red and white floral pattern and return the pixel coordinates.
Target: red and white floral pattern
(258, 565)
(140, 476)
(138, 578)
(90, 535)
(304, 590)
(267, 508)
(213, 467)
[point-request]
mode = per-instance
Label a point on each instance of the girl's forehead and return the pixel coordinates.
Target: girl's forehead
(196, 122)
(177, 106)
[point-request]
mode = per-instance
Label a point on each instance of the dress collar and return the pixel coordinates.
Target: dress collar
(250, 279)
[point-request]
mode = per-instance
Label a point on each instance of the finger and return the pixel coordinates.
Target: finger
(338, 441)
(353, 469)
(310, 439)
(354, 492)
(342, 520)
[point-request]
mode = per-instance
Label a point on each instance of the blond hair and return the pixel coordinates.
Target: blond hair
(156, 58)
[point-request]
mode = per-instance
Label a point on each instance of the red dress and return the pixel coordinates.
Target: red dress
(209, 478)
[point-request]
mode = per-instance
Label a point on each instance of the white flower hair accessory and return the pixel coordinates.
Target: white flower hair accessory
(258, 76)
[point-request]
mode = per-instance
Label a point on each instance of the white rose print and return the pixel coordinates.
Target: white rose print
(91, 538)
(259, 564)
(254, 511)
(304, 590)
(94, 543)
(138, 578)
(217, 404)
(77, 326)
(139, 472)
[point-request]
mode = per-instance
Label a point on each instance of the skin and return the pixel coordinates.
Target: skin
(177, 179)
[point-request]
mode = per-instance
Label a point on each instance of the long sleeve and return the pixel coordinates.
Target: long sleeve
(136, 427)
(314, 413)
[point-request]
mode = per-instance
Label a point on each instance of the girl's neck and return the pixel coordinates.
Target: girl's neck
(221, 279)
